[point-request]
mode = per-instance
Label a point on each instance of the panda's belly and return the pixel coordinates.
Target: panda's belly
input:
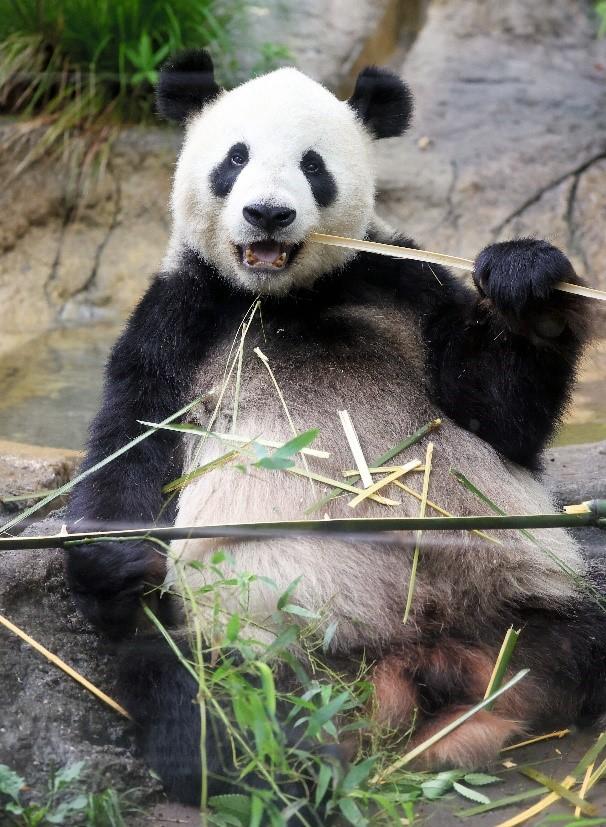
(361, 584)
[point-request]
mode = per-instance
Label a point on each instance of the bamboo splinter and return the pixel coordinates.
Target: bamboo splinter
(63, 665)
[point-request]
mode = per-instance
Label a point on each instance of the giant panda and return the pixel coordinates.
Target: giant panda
(395, 343)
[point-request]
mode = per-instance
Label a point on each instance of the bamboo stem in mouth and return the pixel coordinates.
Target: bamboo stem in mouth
(434, 258)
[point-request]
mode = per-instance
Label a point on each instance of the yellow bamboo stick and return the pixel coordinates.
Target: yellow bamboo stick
(559, 734)
(64, 666)
(417, 551)
(441, 510)
(467, 264)
(537, 808)
(403, 469)
(584, 788)
(336, 484)
(356, 448)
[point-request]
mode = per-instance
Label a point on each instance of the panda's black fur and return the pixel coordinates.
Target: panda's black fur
(498, 360)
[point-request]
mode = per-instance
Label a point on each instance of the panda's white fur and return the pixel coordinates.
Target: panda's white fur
(279, 116)
(360, 584)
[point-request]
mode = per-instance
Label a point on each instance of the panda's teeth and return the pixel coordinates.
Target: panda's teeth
(250, 256)
(280, 261)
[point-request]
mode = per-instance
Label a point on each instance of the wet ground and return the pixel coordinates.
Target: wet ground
(51, 387)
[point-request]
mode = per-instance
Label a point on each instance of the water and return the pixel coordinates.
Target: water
(51, 388)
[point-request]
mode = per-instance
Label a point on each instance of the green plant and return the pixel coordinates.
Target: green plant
(66, 802)
(79, 68)
(600, 9)
(235, 668)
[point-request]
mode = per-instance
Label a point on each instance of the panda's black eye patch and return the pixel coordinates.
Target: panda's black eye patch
(224, 175)
(321, 181)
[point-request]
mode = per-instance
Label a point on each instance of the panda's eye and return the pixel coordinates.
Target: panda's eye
(237, 159)
(312, 163)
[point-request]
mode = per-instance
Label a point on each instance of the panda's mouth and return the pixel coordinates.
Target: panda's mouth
(269, 255)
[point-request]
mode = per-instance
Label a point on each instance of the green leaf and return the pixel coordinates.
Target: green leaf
(67, 808)
(288, 593)
(256, 811)
(268, 685)
(440, 784)
(326, 712)
(329, 635)
(352, 813)
(301, 611)
(11, 784)
(235, 805)
(232, 629)
(357, 774)
(478, 779)
(282, 456)
(323, 781)
(473, 795)
(67, 775)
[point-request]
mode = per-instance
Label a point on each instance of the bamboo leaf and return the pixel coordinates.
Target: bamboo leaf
(472, 795)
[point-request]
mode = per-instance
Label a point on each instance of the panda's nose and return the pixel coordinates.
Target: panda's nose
(267, 217)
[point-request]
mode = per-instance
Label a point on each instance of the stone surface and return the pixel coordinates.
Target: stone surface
(65, 262)
(26, 469)
(47, 720)
(512, 99)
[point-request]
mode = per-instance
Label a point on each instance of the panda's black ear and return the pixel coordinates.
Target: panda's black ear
(185, 84)
(382, 101)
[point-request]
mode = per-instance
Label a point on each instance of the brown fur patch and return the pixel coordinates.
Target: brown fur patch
(472, 745)
(395, 693)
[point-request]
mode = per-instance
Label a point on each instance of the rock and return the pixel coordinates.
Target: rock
(576, 473)
(28, 469)
(48, 720)
(66, 261)
(513, 99)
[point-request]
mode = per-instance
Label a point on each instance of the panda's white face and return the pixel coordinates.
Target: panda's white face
(262, 167)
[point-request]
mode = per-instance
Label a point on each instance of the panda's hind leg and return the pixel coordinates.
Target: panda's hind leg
(433, 682)
(161, 696)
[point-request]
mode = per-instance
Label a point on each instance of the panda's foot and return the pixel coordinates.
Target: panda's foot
(162, 697)
(519, 277)
(472, 745)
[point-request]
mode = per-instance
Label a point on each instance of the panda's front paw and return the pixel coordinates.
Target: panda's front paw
(108, 580)
(519, 276)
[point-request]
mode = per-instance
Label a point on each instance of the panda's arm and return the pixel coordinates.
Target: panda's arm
(503, 359)
(148, 377)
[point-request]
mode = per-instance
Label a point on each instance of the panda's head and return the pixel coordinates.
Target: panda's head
(268, 163)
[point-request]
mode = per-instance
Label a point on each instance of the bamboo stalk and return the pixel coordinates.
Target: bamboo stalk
(344, 486)
(467, 264)
(382, 460)
(383, 483)
(441, 510)
(584, 788)
(56, 660)
(559, 734)
(556, 787)
(510, 642)
(356, 448)
(541, 805)
(417, 551)
(349, 525)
